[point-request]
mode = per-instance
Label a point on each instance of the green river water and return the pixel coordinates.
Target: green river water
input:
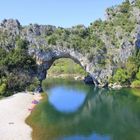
(72, 110)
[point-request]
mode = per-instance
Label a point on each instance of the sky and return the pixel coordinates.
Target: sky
(64, 13)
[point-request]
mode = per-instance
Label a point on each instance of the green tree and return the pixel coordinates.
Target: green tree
(120, 76)
(20, 43)
(52, 39)
(131, 69)
(124, 8)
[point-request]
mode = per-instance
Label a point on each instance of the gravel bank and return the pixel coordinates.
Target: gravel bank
(13, 112)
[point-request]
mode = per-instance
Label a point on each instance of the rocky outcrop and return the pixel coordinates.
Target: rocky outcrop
(12, 26)
(132, 1)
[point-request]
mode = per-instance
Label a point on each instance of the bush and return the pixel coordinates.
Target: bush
(34, 85)
(52, 39)
(124, 8)
(16, 68)
(22, 44)
(138, 75)
(131, 68)
(138, 3)
(136, 84)
(120, 76)
(3, 89)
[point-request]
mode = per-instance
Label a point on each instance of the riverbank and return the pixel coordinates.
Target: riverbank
(66, 76)
(13, 112)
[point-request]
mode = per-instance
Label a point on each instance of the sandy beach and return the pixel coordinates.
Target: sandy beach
(13, 112)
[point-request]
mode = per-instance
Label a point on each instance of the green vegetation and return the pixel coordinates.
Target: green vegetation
(66, 66)
(136, 84)
(138, 3)
(129, 74)
(33, 85)
(15, 69)
(120, 76)
(94, 40)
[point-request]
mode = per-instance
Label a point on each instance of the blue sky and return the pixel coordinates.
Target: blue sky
(65, 13)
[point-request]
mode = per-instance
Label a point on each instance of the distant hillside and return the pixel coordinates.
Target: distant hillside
(65, 68)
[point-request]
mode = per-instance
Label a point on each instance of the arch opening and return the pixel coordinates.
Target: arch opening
(66, 68)
(46, 59)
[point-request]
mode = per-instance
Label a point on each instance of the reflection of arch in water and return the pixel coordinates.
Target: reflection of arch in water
(102, 113)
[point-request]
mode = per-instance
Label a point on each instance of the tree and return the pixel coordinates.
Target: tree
(131, 69)
(52, 39)
(120, 76)
(2, 89)
(20, 43)
(124, 8)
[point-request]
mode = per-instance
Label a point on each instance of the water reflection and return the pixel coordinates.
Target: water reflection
(91, 137)
(66, 99)
(104, 115)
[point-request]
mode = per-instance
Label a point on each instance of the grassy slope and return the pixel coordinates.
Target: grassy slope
(66, 67)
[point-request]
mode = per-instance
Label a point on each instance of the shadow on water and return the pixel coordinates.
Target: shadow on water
(103, 115)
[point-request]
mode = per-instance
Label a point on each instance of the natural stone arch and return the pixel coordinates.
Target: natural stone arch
(46, 53)
(45, 59)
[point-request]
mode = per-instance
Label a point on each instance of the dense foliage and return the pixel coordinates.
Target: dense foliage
(15, 69)
(130, 72)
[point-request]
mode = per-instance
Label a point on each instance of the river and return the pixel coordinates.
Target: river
(72, 110)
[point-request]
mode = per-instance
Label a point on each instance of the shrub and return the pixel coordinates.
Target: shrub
(138, 75)
(120, 76)
(138, 3)
(34, 84)
(16, 67)
(136, 84)
(22, 44)
(52, 39)
(3, 89)
(124, 8)
(131, 68)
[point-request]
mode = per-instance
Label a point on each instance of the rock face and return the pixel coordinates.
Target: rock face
(45, 58)
(132, 1)
(11, 25)
(45, 53)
